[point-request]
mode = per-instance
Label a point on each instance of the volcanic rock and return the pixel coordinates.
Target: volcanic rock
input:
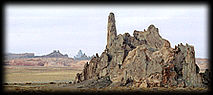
(143, 60)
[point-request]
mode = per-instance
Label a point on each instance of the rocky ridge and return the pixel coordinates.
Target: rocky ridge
(53, 59)
(55, 54)
(143, 60)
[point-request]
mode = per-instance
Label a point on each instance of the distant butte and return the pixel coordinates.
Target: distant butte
(56, 54)
(81, 56)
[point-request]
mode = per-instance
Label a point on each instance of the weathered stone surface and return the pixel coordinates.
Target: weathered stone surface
(186, 67)
(144, 60)
(94, 83)
(111, 30)
(206, 76)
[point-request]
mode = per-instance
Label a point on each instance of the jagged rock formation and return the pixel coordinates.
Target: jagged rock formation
(55, 54)
(143, 60)
(81, 56)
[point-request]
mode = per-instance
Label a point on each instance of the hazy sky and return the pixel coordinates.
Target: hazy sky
(40, 29)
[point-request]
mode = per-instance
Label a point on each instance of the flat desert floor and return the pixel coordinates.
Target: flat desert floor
(21, 78)
(39, 74)
(38, 79)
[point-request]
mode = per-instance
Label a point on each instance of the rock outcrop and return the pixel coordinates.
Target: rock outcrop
(143, 60)
(81, 56)
(55, 54)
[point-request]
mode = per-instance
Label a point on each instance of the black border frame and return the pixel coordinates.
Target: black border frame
(108, 2)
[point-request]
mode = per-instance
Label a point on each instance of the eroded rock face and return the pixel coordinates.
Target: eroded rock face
(143, 60)
(111, 30)
(206, 76)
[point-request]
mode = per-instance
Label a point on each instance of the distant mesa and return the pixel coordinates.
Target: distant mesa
(53, 59)
(54, 54)
(23, 55)
(81, 56)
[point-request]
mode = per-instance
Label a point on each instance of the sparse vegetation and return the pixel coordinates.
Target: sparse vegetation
(39, 74)
(52, 83)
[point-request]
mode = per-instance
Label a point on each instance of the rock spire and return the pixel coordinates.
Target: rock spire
(111, 29)
(142, 60)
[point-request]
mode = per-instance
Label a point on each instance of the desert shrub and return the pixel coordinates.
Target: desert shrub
(52, 83)
(28, 83)
(5, 84)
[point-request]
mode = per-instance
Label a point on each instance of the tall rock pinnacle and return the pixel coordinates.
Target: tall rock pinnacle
(111, 29)
(144, 60)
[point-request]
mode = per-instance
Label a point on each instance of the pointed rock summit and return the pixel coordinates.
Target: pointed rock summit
(56, 54)
(111, 29)
(81, 56)
(142, 60)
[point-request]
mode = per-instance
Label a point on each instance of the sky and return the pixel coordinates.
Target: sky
(40, 29)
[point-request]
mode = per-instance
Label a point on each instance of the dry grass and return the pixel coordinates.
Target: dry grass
(23, 74)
